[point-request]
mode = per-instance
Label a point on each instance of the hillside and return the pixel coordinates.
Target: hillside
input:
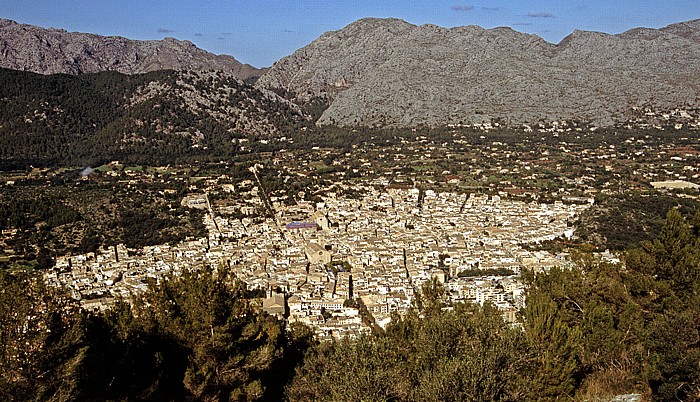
(387, 72)
(49, 51)
(156, 117)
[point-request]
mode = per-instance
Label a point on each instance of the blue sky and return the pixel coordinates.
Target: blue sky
(261, 31)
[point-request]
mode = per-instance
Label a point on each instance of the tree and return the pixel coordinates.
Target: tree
(664, 279)
(193, 336)
(35, 323)
(464, 354)
(230, 348)
(555, 342)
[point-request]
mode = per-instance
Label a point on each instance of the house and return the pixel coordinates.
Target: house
(674, 184)
(321, 220)
(274, 305)
(317, 254)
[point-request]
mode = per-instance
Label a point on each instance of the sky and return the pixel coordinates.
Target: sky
(260, 32)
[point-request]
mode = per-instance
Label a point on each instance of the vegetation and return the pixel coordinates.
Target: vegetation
(590, 332)
(78, 217)
(91, 119)
(625, 221)
(469, 273)
(465, 354)
(193, 337)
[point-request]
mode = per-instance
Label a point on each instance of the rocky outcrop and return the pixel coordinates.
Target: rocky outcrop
(48, 51)
(387, 72)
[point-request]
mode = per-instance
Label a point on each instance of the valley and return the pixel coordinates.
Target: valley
(392, 212)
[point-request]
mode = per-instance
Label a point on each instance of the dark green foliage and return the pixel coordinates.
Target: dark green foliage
(53, 119)
(141, 227)
(465, 354)
(578, 325)
(625, 221)
(230, 349)
(192, 337)
(469, 273)
(664, 278)
(25, 212)
(613, 330)
(62, 218)
(91, 119)
(591, 332)
(35, 217)
(110, 358)
(36, 325)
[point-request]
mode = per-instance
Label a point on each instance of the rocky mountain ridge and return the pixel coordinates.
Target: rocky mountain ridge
(387, 72)
(390, 73)
(49, 51)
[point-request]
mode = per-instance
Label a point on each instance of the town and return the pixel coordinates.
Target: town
(321, 257)
(341, 240)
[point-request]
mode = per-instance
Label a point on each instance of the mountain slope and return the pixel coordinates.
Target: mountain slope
(158, 117)
(49, 51)
(386, 72)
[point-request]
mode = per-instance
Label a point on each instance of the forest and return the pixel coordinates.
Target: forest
(88, 120)
(92, 119)
(69, 216)
(593, 331)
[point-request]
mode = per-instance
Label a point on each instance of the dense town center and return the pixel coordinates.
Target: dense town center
(321, 257)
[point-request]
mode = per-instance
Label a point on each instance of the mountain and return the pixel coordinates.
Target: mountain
(157, 117)
(50, 51)
(387, 72)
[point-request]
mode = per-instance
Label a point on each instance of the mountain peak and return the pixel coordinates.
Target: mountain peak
(370, 23)
(49, 51)
(374, 21)
(691, 24)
